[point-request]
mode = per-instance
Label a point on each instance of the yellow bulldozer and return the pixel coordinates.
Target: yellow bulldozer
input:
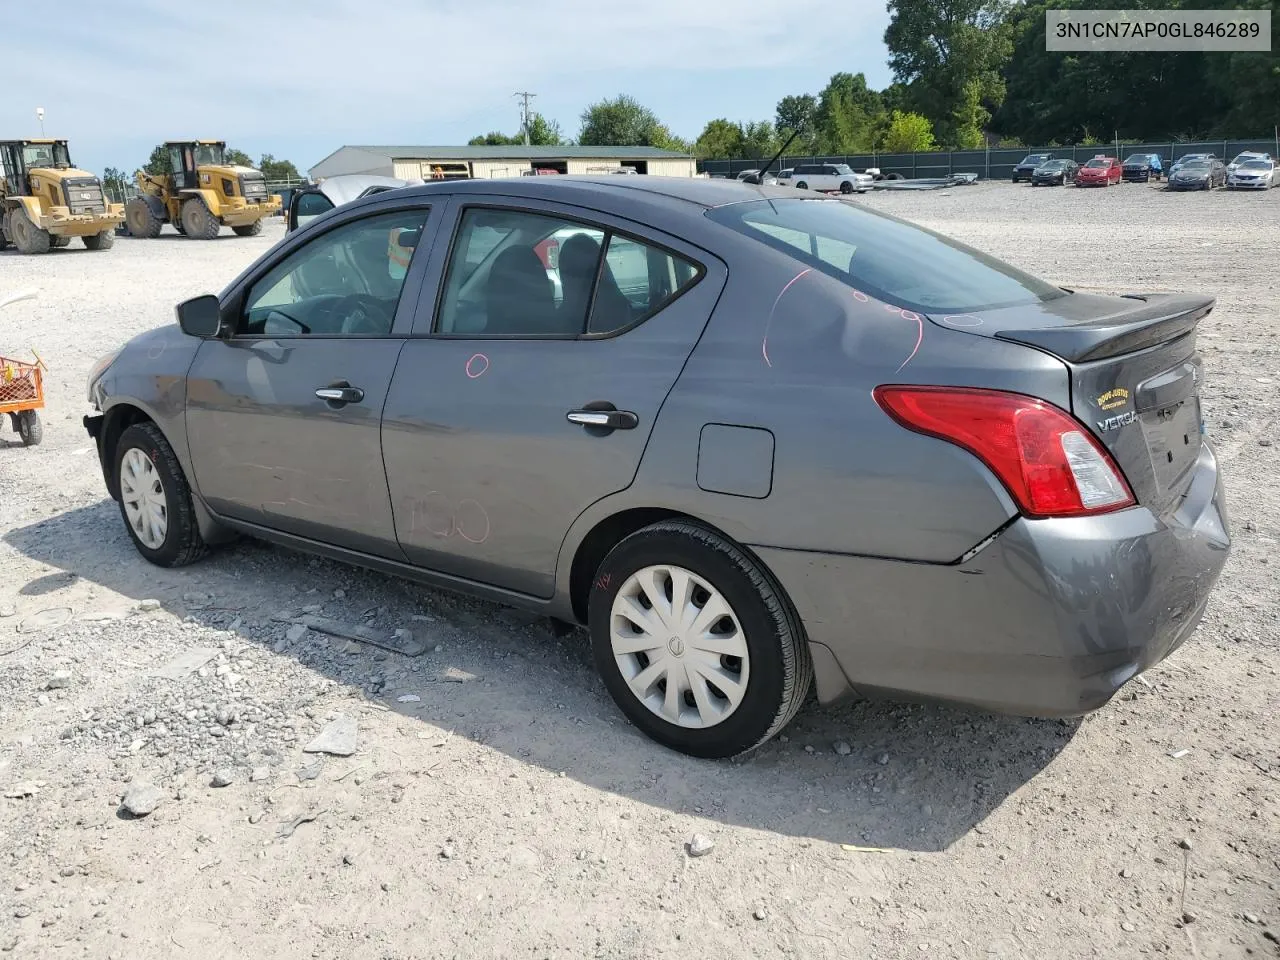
(45, 201)
(200, 194)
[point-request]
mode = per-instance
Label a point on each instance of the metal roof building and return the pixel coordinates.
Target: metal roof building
(411, 163)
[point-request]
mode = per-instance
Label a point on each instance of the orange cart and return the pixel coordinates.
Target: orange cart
(22, 390)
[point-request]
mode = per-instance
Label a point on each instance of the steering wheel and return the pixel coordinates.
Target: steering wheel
(360, 313)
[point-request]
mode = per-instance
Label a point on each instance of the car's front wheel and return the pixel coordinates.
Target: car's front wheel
(155, 499)
(696, 642)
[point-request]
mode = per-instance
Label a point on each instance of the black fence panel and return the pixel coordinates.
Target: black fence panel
(993, 164)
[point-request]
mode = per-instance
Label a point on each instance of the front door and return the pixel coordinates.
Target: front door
(283, 416)
(535, 392)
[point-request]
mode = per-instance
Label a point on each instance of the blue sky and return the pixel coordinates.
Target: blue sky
(299, 81)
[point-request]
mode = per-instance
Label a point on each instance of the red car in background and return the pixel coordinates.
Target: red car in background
(1099, 172)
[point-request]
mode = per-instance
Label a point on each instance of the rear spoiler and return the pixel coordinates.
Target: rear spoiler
(1161, 317)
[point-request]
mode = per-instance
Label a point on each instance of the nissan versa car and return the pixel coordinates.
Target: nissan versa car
(756, 442)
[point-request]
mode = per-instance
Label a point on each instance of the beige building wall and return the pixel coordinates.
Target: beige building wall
(485, 169)
(409, 170)
(673, 168)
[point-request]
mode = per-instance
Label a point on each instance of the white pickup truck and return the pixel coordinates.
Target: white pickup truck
(826, 177)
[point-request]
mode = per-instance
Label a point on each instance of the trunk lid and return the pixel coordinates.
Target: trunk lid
(1135, 376)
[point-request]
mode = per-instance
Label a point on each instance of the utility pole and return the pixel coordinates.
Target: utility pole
(525, 115)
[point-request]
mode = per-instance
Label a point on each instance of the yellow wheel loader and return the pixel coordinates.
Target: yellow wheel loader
(45, 201)
(200, 195)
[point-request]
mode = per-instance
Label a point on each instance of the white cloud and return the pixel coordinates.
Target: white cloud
(344, 71)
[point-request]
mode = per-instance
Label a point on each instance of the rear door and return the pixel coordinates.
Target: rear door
(283, 416)
(522, 398)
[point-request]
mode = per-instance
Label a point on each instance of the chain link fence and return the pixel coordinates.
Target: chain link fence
(995, 163)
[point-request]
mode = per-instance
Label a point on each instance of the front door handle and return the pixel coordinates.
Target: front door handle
(340, 394)
(604, 418)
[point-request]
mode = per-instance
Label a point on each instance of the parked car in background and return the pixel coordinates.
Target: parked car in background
(1055, 173)
(1254, 174)
(1199, 175)
(1245, 156)
(1027, 168)
(828, 177)
(1188, 158)
(1099, 172)
(314, 199)
(395, 385)
(1142, 167)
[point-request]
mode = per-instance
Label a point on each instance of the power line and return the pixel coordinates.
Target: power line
(525, 96)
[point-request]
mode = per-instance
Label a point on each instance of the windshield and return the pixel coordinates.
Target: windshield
(210, 155)
(1256, 165)
(883, 256)
(843, 169)
(1035, 158)
(1138, 158)
(46, 155)
(1098, 163)
(1196, 165)
(1053, 165)
(1246, 157)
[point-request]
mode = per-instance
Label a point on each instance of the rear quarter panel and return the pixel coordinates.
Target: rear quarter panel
(796, 353)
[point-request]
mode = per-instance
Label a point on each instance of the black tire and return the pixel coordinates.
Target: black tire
(846, 187)
(197, 222)
(802, 185)
(249, 229)
(100, 241)
(780, 668)
(894, 176)
(182, 543)
(141, 220)
(27, 237)
(59, 242)
(29, 428)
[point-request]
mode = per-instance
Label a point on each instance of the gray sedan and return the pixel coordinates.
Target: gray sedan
(756, 443)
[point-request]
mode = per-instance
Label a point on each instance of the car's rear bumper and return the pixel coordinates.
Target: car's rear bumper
(1050, 619)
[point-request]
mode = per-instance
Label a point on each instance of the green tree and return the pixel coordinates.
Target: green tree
(846, 115)
(624, 122)
(158, 163)
(113, 183)
(908, 133)
(277, 170)
(720, 140)
(950, 57)
(238, 158)
(542, 133)
(759, 140)
(797, 112)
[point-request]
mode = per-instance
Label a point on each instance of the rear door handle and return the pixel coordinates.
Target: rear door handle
(340, 394)
(605, 419)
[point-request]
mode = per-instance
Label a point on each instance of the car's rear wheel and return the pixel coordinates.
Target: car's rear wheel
(695, 641)
(155, 499)
(802, 185)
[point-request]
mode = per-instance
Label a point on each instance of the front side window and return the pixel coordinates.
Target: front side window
(343, 283)
(522, 274)
(884, 257)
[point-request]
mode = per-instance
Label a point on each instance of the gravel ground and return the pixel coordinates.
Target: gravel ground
(495, 804)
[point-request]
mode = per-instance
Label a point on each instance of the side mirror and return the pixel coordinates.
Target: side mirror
(200, 316)
(408, 238)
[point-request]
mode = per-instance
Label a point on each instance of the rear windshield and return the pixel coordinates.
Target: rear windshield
(884, 257)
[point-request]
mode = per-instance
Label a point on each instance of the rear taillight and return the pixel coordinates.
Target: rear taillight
(1047, 459)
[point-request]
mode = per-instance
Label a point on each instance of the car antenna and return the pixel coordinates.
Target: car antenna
(758, 178)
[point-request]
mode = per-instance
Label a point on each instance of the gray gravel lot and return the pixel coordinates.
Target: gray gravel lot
(497, 805)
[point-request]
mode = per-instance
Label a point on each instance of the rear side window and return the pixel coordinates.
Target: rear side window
(885, 257)
(517, 273)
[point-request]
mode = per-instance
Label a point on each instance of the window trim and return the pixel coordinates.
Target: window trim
(434, 333)
(241, 296)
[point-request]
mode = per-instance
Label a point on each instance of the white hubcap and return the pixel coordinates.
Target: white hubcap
(143, 496)
(679, 646)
